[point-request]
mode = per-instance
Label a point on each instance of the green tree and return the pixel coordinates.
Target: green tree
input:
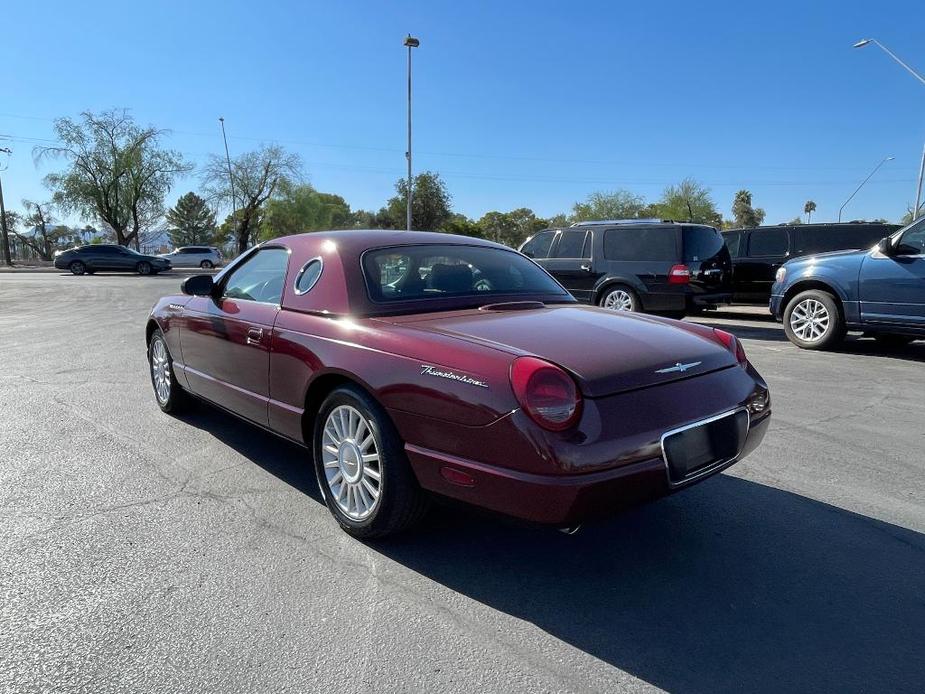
(430, 203)
(462, 225)
(795, 221)
(689, 201)
(511, 228)
(558, 221)
(616, 204)
(744, 215)
(300, 208)
(256, 176)
(117, 171)
(808, 210)
(191, 221)
(362, 219)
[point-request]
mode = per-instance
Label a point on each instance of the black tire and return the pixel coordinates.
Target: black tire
(77, 268)
(177, 400)
(893, 340)
(619, 297)
(805, 313)
(401, 502)
(207, 264)
(143, 268)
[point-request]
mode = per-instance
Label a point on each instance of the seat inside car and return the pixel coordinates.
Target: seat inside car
(451, 278)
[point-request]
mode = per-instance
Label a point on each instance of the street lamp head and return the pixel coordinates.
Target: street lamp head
(221, 119)
(861, 43)
(890, 158)
(411, 42)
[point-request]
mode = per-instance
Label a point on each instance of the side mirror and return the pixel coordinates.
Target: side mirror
(885, 246)
(198, 285)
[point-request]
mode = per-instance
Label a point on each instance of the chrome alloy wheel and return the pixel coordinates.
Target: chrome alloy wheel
(160, 370)
(352, 466)
(810, 320)
(619, 300)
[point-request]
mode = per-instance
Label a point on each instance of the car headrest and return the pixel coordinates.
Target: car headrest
(451, 278)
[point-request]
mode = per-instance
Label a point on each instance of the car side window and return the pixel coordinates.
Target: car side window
(913, 241)
(571, 244)
(259, 278)
(769, 242)
(538, 246)
(637, 243)
(733, 241)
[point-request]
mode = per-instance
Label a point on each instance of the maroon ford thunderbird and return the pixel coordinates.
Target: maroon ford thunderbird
(414, 364)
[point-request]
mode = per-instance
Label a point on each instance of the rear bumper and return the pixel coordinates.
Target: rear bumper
(558, 499)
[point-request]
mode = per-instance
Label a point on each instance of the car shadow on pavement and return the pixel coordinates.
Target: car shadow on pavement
(730, 586)
(282, 458)
(750, 332)
(853, 344)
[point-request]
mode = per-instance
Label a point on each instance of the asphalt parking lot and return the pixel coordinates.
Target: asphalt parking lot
(141, 552)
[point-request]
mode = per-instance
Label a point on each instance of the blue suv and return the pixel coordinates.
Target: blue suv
(879, 291)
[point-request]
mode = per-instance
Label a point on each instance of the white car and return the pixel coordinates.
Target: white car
(205, 257)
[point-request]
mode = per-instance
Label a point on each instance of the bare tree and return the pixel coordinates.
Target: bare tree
(117, 171)
(38, 217)
(256, 175)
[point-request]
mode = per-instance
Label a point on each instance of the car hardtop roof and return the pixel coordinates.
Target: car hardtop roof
(356, 241)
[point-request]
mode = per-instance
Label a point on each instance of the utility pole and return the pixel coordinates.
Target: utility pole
(410, 42)
(7, 259)
(234, 207)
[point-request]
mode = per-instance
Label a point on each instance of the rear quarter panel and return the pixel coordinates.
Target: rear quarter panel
(388, 361)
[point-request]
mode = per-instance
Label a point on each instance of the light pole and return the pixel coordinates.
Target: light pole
(410, 42)
(882, 162)
(234, 208)
(918, 187)
(4, 232)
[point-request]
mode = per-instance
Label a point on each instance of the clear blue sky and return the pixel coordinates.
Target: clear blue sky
(530, 104)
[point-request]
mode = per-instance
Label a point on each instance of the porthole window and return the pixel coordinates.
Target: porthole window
(308, 275)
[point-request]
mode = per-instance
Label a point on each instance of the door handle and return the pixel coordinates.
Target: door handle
(586, 267)
(254, 336)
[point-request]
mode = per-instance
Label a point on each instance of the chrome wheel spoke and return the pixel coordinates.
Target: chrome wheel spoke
(809, 320)
(160, 371)
(351, 462)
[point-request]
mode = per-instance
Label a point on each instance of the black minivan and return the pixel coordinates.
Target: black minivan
(637, 264)
(757, 253)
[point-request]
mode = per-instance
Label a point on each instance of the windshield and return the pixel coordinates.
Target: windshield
(413, 273)
(130, 250)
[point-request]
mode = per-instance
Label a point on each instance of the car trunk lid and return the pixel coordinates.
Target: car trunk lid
(607, 352)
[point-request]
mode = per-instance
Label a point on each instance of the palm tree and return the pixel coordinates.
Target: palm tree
(809, 208)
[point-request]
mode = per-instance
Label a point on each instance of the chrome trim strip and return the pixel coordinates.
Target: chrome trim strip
(709, 469)
(295, 284)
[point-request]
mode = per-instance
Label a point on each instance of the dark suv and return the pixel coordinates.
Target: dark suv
(757, 253)
(638, 264)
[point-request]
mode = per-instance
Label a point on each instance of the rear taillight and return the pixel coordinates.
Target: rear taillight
(546, 393)
(732, 343)
(679, 274)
